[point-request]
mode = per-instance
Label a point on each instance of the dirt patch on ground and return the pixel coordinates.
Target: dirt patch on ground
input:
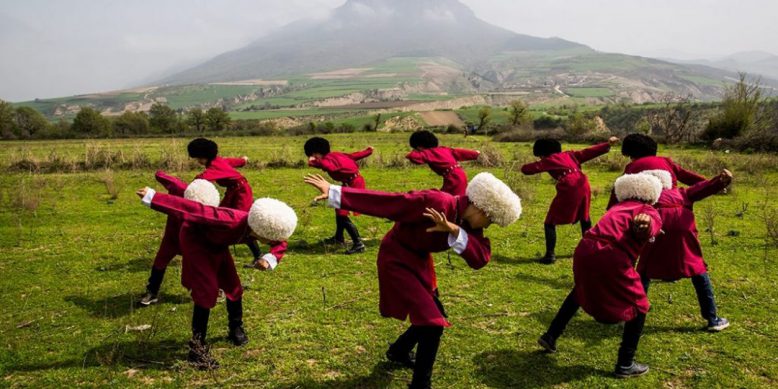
(442, 119)
(399, 123)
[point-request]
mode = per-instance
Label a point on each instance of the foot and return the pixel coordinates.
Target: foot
(334, 241)
(425, 385)
(238, 336)
(402, 359)
(356, 248)
(548, 343)
(633, 370)
(547, 259)
(148, 299)
(718, 324)
(200, 358)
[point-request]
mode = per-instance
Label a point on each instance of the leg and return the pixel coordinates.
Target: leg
(152, 287)
(357, 246)
(401, 351)
(586, 225)
(626, 366)
(256, 253)
(707, 301)
(339, 227)
(646, 283)
(429, 342)
(566, 312)
(550, 232)
(235, 319)
(198, 349)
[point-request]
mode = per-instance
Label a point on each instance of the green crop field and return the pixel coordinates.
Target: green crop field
(74, 260)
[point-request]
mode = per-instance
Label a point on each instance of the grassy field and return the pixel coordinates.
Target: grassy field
(74, 260)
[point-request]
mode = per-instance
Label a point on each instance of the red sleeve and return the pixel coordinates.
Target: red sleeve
(478, 251)
(208, 174)
(361, 154)
(465, 154)
(687, 177)
(591, 153)
(399, 207)
(192, 211)
(322, 164)
(174, 185)
(235, 162)
(535, 167)
(278, 249)
(416, 157)
(704, 189)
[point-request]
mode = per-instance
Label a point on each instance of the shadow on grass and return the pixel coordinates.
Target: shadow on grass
(582, 327)
(153, 355)
(525, 260)
(121, 305)
(527, 369)
(564, 282)
(139, 264)
(319, 248)
(380, 377)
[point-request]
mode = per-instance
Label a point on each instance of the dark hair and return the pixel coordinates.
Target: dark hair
(545, 147)
(317, 145)
(638, 146)
(423, 139)
(203, 148)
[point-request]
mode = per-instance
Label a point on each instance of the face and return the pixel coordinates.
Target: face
(317, 155)
(476, 218)
(201, 161)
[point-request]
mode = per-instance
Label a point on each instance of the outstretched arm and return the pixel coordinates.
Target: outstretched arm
(593, 152)
(188, 210)
(416, 157)
(687, 177)
(535, 167)
(465, 154)
(237, 162)
(710, 187)
(361, 154)
(174, 185)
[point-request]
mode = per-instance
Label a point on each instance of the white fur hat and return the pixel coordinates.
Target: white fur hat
(664, 177)
(272, 219)
(203, 192)
(641, 186)
(495, 198)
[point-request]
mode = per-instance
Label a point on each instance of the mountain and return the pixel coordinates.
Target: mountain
(758, 63)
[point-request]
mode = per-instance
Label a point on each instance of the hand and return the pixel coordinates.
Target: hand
(261, 264)
(725, 176)
(319, 183)
(142, 192)
(245, 158)
(613, 140)
(641, 223)
(441, 223)
(311, 159)
(371, 148)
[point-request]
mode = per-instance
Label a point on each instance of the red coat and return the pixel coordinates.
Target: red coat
(573, 193)
(343, 167)
(606, 283)
(406, 273)
(444, 161)
(206, 234)
(222, 170)
(677, 253)
(678, 173)
(168, 247)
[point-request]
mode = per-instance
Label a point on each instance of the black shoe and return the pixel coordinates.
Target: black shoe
(200, 358)
(718, 324)
(425, 385)
(356, 248)
(548, 343)
(148, 299)
(547, 259)
(404, 360)
(634, 370)
(334, 241)
(238, 336)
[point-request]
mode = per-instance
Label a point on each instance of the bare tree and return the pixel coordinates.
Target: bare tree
(673, 119)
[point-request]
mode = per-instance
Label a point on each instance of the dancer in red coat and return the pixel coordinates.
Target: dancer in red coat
(341, 167)
(442, 160)
(573, 194)
(222, 171)
(606, 283)
(642, 149)
(677, 253)
(205, 236)
(426, 222)
(169, 246)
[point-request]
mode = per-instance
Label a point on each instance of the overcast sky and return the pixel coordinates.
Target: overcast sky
(63, 47)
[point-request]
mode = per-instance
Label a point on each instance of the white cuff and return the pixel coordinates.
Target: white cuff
(146, 200)
(271, 260)
(460, 243)
(334, 196)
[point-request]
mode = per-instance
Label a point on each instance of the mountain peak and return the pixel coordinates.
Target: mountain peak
(407, 10)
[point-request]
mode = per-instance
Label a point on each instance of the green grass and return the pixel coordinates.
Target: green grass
(72, 267)
(589, 92)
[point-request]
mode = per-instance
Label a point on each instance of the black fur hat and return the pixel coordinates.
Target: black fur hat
(317, 145)
(424, 138)
(203, 148)
(545, 147)
(638, 146)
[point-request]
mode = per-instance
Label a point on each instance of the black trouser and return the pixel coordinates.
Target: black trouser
(550, 232)
(428, 339)
(155, 280)
(344, 223)
(704, 289)
(234, 313)
(254, 247)
(629, 341)
(200, 317)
